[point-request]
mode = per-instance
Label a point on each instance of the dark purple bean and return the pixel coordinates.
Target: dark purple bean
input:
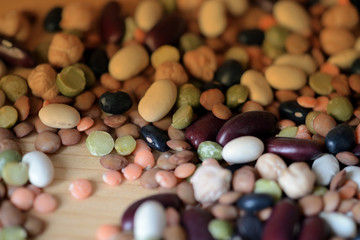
(13, 54)
(293, 111)
(195, 222)
(293, 149)
(251, 37)
(167, 31)
(341, 138)
(260, 124)
(282, 221)
(255, 201)
(356, 150)
(314, 228)
(203, 129)
(115, 102)
(155, 137)
(249, 227)
(229, 73)
(112, 24)
(52, 20)
(166, 199)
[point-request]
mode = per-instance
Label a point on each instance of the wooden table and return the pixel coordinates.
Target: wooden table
(76, 219)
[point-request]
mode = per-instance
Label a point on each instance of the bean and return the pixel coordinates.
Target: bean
(128, 129)
(33, 226)
(220, 229)
(69, 137)
(340, 224)
(269, 187)
(184, 170)
(341, 138)
(171, 70)
(185, 192)
(52, 20)
(183, 117)
(212, 19)
(112, 177)
(313, 228)
(244, 180)
(334, 40)
(270, 165)
(6, 133)
(144, 159)
(277, 76)
(22, 198)
(188, 95)
(325, 168)
(59, 116)
(255, 126)
(41, 169)
(115, 103)
(165, 179)
(195, 222)
(163, 123)
(174, 233)
(47, 142)
(259, 88)
(147, 179)
(229, 73)
(80, 189)
(249, 227)
(10, 215)
(282, 221)
(237, 150)
(112, 23)
(331, 200)
(311, 205)
(107, 231)
(132, 171)
(163, 162)
(7, 143)
(296, 43)
(255, 202)
(166, 199)
(15, 55)
(224, 212)
(23, 129)
(155, 137)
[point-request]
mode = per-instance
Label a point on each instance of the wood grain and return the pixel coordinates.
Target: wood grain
(76, 219)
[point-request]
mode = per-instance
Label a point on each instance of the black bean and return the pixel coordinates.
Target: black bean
(98, 61)
(52, 20)
(229, 73)
(251, 37)
(249, 227)
(355, 66)
(155, 137)
(293, 111)
(341, 138)
(260, 124)
(255, 201)
(196, 221)
(115, 102)
(112, 23)
(293, 149)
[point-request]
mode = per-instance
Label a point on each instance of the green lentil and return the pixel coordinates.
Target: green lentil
(272, 51)
(220, 229)
(15, 173)
(89, 74)
(183, 117)
(276, 36)
(340, 108)
(163, 54)
(268, 186)
(13, 233)
(190, 41)
(239, 54)
(288, 132)
(236, 95)
(188, 95)
(71, 81)
(8, 156)
(209, 149)
(8, 116)
(309, 120)
(169, 5)
(99, 143)
(321, 83)
(319, 190)
(13, 86)
(125, 145)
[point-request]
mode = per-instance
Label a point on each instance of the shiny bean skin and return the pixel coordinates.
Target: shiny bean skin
(112, 23)
(195, 222)
(256, 123)
(293, 149)
(313, 228)
(280, 225)
(13, 54)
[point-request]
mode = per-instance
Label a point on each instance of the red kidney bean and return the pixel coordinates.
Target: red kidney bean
(15, 55)
(112, 24)
(313, 228)
(255, 123)
(203, 129)
(167, 31)
(280, 225)
(293, 149)
(166, 199)
(195, 222)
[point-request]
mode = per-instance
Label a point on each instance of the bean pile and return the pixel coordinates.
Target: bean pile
(244, 114)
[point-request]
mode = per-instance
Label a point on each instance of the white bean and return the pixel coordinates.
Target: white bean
(243, 149)
(41, 169)
(340, 224)
(325, 168)
(353, 173)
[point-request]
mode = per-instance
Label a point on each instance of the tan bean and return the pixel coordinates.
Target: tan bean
(163, 123)
(94, 112)
(338, 180)
(323, 123)
(178, 145)
(244, 180)
(347, 158)
(296, 43)
(285, 95)
(264, 214)
(33, 226)
(201, 63)
(69, 137)
(341, 16)
(40, 127)
(229, 198)
(136, 119)
(77, 15)
(185, 192)
(6, 134)
(10, 215)
(131, 84)
(252, 106)
(348, 190)
(23, 129)
(176, 134)
(340, 84)
(97, 126)
(84, 101)
(334, 40)
(22, 105)
(47, 142)
(114, 162)
(210, 97)
(184, 170)
(354, 82)
(128, 129)
(163, 162)
(331, 201)
(147, 14)
(115, 121)
(311, 205)
(224, 212)
(99, 90)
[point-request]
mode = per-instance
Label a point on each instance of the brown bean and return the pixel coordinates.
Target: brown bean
(147, 179)
(163, 162)
(6, 133)
(229, 197)
(23, 129)
(69, 137)
(61, 99)
(181, 157)
(94, 112)
(128, 129)
(311, 205)
(285, 95)
(296, 43)
(7, 143)
(10, 215)
(40, 127)
(115, 121)
(323, 123)
(176, 134)
(99, 90)
(210, 97)
(47, 142)
(173, 71)
(113, 162)
(178, 145)
(163, 123)
(355, 211)
(340, 84)
(110, 82)
(334, 40)
(354, 82)
(250, 106)
(141, 90)
(84, 101)
(33, 226)
(244, 180)
(347, 158)
(136, 119)
(22, 105)
(131, 84)
(185, 192)
(224, 212)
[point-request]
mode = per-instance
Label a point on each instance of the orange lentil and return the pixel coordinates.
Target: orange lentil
(266, 21)
(22, 198)
(139, 35)
(80, 189)
(112, 177)
(221, 111)
(184, 170)
(166, 179)
(140, 145)
(107, 231)
(330, 69)
(85, 123)
(286, 123)
(321, 104)
(144, 159)
(306, 101)
(132, 171)
(45, 203)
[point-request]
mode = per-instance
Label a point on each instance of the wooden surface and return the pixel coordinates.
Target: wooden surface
(76, 219)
